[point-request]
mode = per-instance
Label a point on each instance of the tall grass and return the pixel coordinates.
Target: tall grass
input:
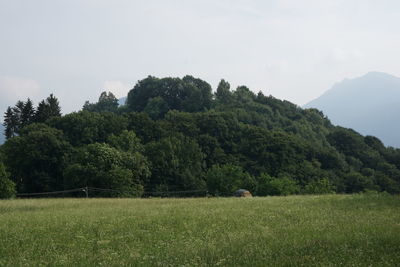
(350, 230)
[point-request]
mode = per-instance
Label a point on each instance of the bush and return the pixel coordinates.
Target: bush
(7, 187)
(271, 186)
(321, 186)
(224, 180)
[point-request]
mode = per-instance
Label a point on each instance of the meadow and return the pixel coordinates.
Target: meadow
(329, 230)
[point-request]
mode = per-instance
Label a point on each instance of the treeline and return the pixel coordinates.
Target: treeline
(177, 135)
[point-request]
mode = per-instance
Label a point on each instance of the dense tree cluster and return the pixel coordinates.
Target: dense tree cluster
(176, 135)
(24, 113)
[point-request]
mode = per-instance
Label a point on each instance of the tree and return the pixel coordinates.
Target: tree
(156, 108)
(204, 88)
(144, 127)
(37, 158)
(356, 182)
(223, 93)
(107, 102)
(102, 166)
(48, 108)
(320, 186)
(187, 94)
(177, 163)
(281, 186)
(13, 119)
(89, 127)
(224, 180)
(11, 123)
(127, 141)
(7, 187)
(27, 113)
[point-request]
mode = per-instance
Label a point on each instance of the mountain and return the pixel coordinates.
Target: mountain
(368, 104)
(2, 137)
(122, 101)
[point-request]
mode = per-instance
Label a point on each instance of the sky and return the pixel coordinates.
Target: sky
(294, 50)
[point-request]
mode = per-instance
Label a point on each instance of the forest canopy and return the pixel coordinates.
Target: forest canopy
(177, 134)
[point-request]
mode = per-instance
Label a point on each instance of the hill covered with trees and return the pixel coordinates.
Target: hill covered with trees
(177, 134)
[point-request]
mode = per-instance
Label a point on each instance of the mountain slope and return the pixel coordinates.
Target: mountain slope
(122, 101)
(2, 137)
(368, 104)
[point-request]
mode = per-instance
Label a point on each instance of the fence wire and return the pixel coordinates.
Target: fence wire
(87, 190)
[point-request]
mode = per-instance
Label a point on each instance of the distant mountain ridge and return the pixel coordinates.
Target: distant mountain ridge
(369, 104)
(122, 101)
(2, 136)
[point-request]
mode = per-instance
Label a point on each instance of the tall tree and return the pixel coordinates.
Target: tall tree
(48, 108)
(187, 94)
(100, 165)
(17, 117)
(36, 158)
(223, 93)
(10, 123)
(7, 187)
(107, 102)
(27, 113)
(177, 164)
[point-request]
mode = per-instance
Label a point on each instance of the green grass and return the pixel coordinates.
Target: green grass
(348, 230)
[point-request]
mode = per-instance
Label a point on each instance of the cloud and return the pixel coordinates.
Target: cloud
(118, 88)
(339, 56)
(13, 89)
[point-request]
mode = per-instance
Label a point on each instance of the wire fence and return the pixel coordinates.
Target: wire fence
(104, 192)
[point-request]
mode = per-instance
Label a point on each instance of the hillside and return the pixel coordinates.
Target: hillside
(176, 135)
(368, 104)
(122, 101)
(2, 137)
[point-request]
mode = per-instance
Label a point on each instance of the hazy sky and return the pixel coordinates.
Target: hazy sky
(293, 50)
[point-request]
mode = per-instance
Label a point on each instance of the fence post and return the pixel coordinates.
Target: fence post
(87, 192)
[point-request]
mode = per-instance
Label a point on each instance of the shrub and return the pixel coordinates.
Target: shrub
(7, 187)
(224, 180)
(281, 186)
(321, 186)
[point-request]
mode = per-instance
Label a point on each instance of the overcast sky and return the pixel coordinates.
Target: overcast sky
(293, 50)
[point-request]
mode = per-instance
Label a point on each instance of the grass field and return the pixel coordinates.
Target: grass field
(348, 230)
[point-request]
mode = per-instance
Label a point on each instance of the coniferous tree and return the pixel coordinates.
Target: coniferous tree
(12, 119)
(48, 108)
(27, 113)
(223, 93)
(54, 106)
(10, 123)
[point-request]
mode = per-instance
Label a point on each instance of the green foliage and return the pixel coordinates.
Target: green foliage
(102, 166)
(23, 114)
(107, 103)
(89, 127)
(356, 182)
(11, 123)
(126, 141)
(7, 187)
(48, 108)
(224, 180)
(320, 186)
(156, 107)
(223, 93)
(36, 158)
(271, 186)
(176, 162)
(187, 94)
(176, 133)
